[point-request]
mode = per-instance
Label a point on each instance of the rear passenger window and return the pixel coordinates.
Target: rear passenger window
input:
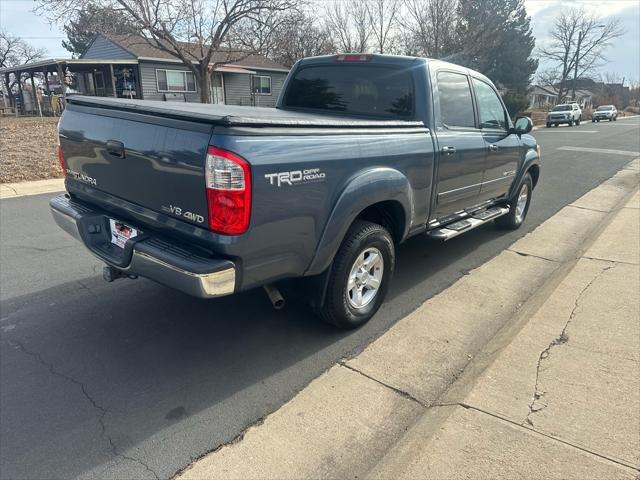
(456, 107)
(491, 112)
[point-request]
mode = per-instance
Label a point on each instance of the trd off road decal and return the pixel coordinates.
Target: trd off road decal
(296, 177)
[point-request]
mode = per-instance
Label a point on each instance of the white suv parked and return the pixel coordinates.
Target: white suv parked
(568, 113)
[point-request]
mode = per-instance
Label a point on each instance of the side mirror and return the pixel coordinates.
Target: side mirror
(522, 125)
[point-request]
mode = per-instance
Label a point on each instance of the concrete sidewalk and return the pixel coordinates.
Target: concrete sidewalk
(562, 400)
(36, 187)
(527, 367)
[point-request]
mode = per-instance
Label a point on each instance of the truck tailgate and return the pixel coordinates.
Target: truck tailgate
(153, 162)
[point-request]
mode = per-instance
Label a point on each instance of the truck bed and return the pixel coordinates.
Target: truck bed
(229, 115)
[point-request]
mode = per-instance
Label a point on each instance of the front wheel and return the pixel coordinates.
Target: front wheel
(519, 206)
(359, 277)
(578, 120)
(570, 123)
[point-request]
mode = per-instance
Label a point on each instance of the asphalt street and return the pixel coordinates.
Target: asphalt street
(134, 380)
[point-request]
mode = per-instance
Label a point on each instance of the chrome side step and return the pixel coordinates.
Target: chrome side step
(456, 228)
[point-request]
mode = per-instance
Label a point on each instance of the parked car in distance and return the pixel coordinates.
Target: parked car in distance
(605, 112)
(568, 113)
(361, 153)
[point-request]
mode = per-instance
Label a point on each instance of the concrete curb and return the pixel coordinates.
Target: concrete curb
(337, 426)
(12, 190)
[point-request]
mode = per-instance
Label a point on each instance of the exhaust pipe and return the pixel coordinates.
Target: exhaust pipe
(275, 296)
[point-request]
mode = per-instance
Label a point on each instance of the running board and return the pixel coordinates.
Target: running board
(461, 226)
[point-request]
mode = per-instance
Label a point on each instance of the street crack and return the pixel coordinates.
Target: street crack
(537, 403)
(96, 406)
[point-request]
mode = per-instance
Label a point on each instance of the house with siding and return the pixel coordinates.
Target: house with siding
(141, 70)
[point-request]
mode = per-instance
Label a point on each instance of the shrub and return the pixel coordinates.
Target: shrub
(515, 103)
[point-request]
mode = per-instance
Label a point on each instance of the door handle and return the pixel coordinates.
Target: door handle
(493, 147)
(448, 150)
(115, 148)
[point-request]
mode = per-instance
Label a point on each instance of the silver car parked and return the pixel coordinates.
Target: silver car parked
(605, 112)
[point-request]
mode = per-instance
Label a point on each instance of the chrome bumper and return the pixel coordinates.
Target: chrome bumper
(153, 257)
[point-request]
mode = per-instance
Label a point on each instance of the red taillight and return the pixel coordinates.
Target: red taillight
(61, 159)
(228, 192)
(353, 58)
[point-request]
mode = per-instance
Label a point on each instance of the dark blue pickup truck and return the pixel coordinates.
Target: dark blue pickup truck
(362, 152)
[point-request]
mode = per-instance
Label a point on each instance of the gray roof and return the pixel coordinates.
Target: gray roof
(143, 49)
(546, 90)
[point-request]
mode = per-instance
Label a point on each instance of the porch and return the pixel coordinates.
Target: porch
(39, 88)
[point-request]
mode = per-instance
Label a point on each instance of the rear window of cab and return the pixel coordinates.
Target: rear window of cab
(363, 90)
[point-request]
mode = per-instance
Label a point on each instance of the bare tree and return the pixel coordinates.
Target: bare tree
(578, 44)
(16, 51)
(432, 23)
(382, 16)
(547, 77)
(190, 30)
(300, 36)
(348, 22)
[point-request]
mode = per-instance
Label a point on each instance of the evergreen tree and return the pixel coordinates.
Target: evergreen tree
(90, 21)
(495, 38)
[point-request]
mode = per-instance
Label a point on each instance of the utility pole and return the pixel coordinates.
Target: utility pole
(575, 71)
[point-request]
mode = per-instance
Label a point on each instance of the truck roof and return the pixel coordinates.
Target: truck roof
(399, 60)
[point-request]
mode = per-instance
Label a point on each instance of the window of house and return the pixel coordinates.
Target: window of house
(456, 106)
(492, 114)
(175, 81)
(261, 85)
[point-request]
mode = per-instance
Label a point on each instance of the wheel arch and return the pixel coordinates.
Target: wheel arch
(379, 195)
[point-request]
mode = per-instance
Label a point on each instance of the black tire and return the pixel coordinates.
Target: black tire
(578, 121)
(513, 221)
(611, 119)
(555, 124)
(593, 120)
(548, 125)
(570, 123)
(615, 119)
(337, 308)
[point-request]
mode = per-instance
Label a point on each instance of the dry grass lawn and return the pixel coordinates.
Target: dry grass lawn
(28, 149)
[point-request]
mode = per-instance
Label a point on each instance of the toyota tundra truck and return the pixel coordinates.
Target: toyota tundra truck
(361, 153)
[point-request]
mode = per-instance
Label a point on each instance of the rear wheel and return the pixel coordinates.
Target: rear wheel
(548, 125)
(359, 277)
(519, 206)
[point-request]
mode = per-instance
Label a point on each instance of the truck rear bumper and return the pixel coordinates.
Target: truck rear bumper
(149, 255)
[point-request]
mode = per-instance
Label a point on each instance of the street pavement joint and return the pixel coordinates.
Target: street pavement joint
(400, 392)
(531, 429)
(99, 408)
(523, 254)
(536, 401)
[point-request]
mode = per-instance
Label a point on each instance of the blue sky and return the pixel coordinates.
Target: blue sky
(16, 17)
